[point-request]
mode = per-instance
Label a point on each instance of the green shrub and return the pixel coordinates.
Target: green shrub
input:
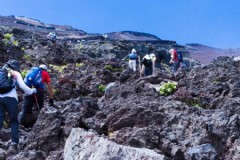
(79, 64)
(15, 43)
(56, 91)
(101, 88)
(24, 73)
(27, 57)
(60, 69)
(113, 69)
(7, 36)
(168, 88)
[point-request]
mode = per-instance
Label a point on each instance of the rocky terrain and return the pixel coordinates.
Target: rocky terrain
(198, 121)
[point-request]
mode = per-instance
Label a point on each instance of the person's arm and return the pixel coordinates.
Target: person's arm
(154, 62)
(50, 90)
(17, 76)
(172, 56)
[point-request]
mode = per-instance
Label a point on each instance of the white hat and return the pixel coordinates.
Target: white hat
(171, 50)
(43, 66)
(152, 55)
(147, 56)
(133, 50)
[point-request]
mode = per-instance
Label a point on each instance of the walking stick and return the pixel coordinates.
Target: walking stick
(139, 65)
(35, 96)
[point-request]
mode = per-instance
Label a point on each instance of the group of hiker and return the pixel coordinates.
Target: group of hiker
(33, 87)
(148, 63)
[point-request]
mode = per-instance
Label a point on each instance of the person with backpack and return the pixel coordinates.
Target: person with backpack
(9, 77)
(174, 60)
(133, 60)
(147, 65)
(36, 78)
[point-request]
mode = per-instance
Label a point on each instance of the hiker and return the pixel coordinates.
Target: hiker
(38, 83)
(133, 60)
(52, 36)
(174, 60)
(147, 65)
(9, 76)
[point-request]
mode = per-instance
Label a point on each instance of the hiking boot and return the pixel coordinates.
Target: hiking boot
(13, 149)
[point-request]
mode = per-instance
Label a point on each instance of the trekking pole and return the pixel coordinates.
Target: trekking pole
(35, 96)
(139, 65)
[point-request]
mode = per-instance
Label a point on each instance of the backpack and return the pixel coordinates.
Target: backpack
(133, 56)
(6, 82)
(180, 57)
(34, 77)
(147, 62)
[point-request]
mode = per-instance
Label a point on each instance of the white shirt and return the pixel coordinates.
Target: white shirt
(17, 78)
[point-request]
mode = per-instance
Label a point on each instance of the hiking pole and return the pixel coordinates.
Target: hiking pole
(139, 65)
(35, 96)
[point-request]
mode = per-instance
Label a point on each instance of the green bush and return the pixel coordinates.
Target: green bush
(24, 73)
(79, 64)
(56, 91)
(168, 88)
(113, 69)
(101, 88)
(7, 36)
(27, 57)
(15, 43)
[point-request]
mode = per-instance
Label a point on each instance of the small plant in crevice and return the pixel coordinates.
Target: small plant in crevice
(60, 68)
(113, 69)
(168, 88)
(8, 36)
(79, 64)
(24, 73)
(27, 57)
(56, 91)
(101, 88)
(194, 103)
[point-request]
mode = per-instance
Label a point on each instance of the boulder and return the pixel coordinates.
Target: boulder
(83, 145)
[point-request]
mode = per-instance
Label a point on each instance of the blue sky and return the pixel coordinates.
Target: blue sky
(211, 22)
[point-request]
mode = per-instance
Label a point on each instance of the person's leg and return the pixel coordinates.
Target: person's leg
(27, 107)
(11, 106)
(40, 98)
(150, 70)
(130, 64)
(134, 63)
(175, 66)
(2, 112)
(146, 71)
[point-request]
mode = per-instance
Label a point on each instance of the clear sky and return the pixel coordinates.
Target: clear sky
(211, 22)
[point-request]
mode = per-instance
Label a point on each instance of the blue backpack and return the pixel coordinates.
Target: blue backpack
(6, 83)
(133, 56)
(34, 78)
(180, 57)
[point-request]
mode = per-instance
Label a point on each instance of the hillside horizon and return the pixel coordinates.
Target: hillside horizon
(32, 20)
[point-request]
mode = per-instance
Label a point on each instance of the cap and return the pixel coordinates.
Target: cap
(147, 56)
(13, 64)
(133, 50)
(171, 50)
(152, 55)
(43, 66)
